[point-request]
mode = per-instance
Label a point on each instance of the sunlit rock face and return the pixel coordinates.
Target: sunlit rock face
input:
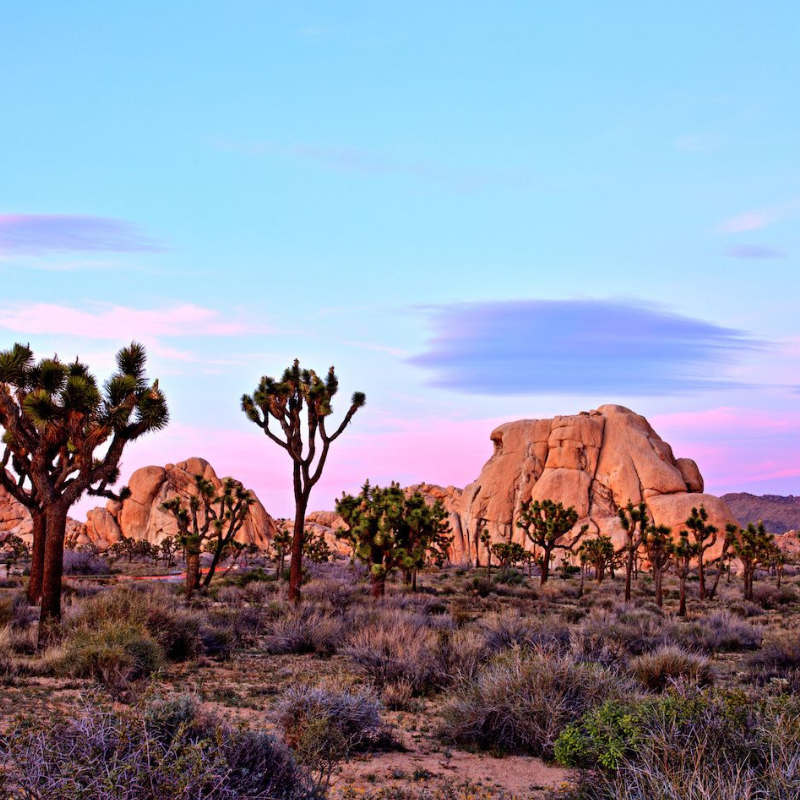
(594, 461)
(140, 515)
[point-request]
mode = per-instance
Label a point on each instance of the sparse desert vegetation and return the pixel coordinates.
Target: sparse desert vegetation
(477, 685)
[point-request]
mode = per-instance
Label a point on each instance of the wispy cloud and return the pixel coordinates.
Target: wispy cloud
(753, 251)
(577, 347)
(354, 160)
(44, 234)
(759, 218)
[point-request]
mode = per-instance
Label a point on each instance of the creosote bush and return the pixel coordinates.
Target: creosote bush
(305, 630)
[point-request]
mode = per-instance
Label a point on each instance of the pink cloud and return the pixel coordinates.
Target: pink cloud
(758, 218)
(120, 322)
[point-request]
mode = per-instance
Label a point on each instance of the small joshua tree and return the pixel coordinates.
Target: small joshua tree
(634, 521)
(281, 545)
(657, 543)
(283, 402)
(752, 546)
(705, 536)
(684, 551)
(315, 548)
(599, 552)
(546, 523)
(210, 516)
(56, 420)
(389, 530)
(486, 541)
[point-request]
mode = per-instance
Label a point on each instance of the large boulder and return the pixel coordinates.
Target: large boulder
(594, 461)
(15, 520)
(140, 516)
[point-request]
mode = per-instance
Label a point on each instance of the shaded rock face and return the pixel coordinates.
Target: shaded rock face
(15, 520)
(594, 461)
(140, 516)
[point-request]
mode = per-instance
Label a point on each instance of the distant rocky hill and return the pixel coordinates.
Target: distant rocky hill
(779, 514)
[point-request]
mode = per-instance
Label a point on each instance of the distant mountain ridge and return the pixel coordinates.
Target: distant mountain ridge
(779, 513)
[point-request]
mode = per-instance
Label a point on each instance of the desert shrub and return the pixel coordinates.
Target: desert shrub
(323, 726)
(508, 577)
(395, 647)
(779, 657)
(84, 562)
(522, 700)
(259, 593)
(166, 752)
(720, 632)
(152, 607)
(739, 748)
(745, 609)
(667, 665)
(15, 611)
(398, 696)
(427, 654)
(503, 631)
(116, 655)
(305, 630)
(482, 585)
(257, 575)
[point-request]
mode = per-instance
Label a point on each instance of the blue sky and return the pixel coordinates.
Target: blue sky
(470, 209)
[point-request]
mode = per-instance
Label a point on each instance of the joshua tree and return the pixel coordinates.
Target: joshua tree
(546, 523)
(486, 541)
(705, 536)
(284, 401)
(657, 543)
(634, 521)
(169, 547)
(723, 565)
(684, 551)
(776, 561)
(281, 544)
(509, 554)
(599, 552)
(389, 530)
(752, 546)
(315, 548)
(56, 419)
(213, 517)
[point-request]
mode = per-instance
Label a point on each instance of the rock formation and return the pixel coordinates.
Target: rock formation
(594, 461)
(778, 513)
(140, 515)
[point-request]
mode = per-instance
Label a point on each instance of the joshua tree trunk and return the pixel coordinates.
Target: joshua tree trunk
(701, 574)
(544, 570)
(378, 584)
(682, 605)
(37, 557)
(296, 562)
(213, 566)
(53, 570)
(629, 573)
(414, 581)
(583, 579)
(658, 581)
(192, 572)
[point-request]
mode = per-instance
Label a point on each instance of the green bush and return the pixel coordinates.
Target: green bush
(602, 738)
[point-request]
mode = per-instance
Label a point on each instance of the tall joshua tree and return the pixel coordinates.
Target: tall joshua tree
(634, 521)
(283, 403)
(705, 536)
(546, 523)
(64, 436)
(684, 551)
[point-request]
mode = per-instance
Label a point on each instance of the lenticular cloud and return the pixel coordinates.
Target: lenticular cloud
(577, 347)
